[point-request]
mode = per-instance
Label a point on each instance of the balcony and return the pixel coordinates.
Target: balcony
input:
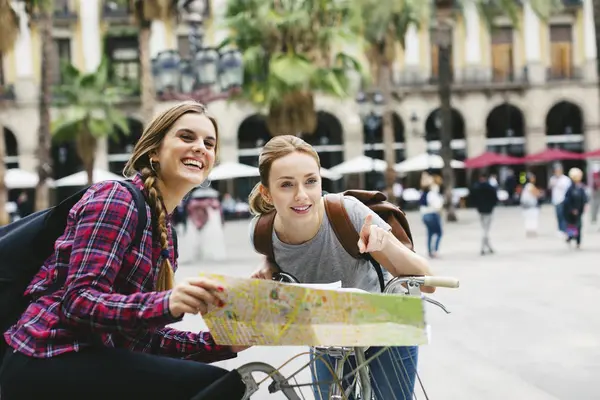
(570, 74)
(64, 14)
(115, 12)
(466, 79)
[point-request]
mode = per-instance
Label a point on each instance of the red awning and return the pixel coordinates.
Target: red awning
(592, 154)
(488, 159)
(550, 155)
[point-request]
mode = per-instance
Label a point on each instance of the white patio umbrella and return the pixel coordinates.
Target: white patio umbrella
(80, 178)
(230, 170)
(359, 165)
(328, 174)
(425, 161)
(16, 178)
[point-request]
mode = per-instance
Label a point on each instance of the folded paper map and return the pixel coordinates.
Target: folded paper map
(261, 312)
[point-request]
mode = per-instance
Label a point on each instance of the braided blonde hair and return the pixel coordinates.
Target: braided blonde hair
(150, 142)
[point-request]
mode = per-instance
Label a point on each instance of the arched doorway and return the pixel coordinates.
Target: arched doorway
(11, 160)
(433, 126)
(327, 140)
(374, 147)
(65, 162)
(11, 149)
(505, 134)
(565, 130)
(120, 145)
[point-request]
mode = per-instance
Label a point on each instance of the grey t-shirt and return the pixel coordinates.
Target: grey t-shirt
(323, 259)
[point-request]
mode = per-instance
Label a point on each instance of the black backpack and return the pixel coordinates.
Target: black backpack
(27, 243)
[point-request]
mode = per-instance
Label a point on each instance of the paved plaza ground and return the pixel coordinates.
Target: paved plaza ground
(524, 325)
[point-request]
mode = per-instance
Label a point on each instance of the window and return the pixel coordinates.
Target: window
(435, 57)
(62, 6)
(561, 52)
(61, 53)
(123, 54)
(502, 54)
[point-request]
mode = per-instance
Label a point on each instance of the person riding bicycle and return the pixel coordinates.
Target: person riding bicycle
(104, 334)
(306, 246)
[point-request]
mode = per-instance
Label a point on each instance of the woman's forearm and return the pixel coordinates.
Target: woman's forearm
(400, 260)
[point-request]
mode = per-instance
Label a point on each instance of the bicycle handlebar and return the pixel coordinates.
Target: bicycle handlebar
(440, 281)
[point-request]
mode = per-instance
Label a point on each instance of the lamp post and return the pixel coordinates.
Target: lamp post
(370, 110)
(208, 74)
(414, 120)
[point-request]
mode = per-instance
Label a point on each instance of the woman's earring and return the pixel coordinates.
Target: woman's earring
(206, 184)
(152, 166)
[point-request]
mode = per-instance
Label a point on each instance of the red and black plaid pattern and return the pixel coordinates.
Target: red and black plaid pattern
(109, 291)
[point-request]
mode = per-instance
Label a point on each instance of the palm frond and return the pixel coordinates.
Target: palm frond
(87, 105)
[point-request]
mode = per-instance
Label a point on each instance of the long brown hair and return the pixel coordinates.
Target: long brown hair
(139, 162)
(279, 146)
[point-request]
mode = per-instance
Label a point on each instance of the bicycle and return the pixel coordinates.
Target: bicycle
(357, 383)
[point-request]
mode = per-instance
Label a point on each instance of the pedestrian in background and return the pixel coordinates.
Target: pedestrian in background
(595, 186)
(574, 205)
(431, 205)
(530, 202)
(485, 198)
(559, 184)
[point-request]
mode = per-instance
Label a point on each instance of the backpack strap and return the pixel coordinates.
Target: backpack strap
(346, 233)
(263, 235)
(140, 205)
(341, 224)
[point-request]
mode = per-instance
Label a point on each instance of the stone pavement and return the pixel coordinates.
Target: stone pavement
(524, 323)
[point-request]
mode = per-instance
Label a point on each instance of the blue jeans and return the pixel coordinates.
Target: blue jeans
(433, 222)
(393, 373)
(560, 217)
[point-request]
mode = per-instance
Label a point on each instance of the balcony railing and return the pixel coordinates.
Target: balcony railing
(574, 74)
(470, 77)
(63, 13)
(114, 11)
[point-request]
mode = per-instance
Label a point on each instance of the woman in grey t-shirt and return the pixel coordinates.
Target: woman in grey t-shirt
(305, 245)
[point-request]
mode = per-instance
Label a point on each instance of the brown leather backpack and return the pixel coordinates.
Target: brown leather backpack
(342, 226)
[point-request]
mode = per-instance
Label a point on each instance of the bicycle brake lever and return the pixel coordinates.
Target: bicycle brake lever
(437, 303)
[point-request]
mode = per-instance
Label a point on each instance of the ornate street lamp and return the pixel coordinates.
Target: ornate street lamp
(166, 68)
(208, 74)
(231, 70)
(206, 66)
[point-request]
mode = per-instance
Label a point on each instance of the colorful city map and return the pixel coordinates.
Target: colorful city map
(261, 312)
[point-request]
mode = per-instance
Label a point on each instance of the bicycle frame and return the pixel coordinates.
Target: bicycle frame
(408, 285)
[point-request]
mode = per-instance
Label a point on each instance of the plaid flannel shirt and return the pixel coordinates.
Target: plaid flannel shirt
(109, 291)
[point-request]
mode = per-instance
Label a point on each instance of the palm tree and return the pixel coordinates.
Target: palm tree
(88, 106)
(42, 191)
(144, 12)
(290, 52)
(8, 34)
(384, 25)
